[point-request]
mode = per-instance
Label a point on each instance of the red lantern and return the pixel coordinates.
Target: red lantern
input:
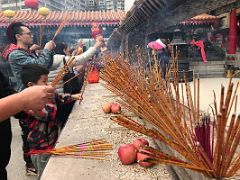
(31, 4)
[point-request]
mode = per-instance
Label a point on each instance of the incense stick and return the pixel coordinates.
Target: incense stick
(61, 26)
(96, 149)
(62, 71)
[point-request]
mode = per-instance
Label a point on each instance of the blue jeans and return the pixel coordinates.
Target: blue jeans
(40, 161)
(25, 146)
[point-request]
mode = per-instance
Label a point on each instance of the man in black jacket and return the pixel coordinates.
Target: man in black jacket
(39, 97)
(5, 131)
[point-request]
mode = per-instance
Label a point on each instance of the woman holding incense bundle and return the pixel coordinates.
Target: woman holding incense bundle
(74, 86)
(58, 58)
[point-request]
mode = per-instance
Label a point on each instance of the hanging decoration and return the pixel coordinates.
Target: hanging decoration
(9, 13)
(31, 4)
(200, 44)
(44, 11)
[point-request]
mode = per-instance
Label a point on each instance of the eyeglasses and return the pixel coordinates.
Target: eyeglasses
(28, 33)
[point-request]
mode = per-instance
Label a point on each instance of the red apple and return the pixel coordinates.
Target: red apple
(115, 108)
(127, 153)
(138, 143)
(140, 157)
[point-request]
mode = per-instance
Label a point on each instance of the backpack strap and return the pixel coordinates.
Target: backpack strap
(65, 62)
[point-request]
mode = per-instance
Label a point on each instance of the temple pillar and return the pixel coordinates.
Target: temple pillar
(232, 33)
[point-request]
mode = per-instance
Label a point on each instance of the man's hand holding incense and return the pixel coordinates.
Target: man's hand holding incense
(34, 47)
(50, 45)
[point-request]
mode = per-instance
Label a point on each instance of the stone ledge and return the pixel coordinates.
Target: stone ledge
(208, 63)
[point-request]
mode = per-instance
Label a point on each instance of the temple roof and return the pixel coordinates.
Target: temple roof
(76, 18)
(200, 19)
(85, 18)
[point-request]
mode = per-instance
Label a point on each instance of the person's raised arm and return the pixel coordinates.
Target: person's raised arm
(21, 57)
(32, 98)
(82, 58)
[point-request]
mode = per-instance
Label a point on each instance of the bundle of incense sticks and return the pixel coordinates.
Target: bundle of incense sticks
(203, 144)
(63, 71)
(95, 149)
(203, 135)
(61, 26)
(40, 35)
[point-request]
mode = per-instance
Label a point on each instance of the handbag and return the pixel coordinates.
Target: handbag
(93, 76)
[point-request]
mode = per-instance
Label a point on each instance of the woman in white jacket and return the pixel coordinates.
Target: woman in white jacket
(80, 59)
(63, 111)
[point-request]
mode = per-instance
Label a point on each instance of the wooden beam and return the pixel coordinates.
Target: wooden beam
(190, 9)
(226, 8)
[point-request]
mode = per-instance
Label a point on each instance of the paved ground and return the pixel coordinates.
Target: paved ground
(207, 85)
(16, 169)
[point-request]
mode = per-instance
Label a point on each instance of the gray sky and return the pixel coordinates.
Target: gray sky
(128, 4)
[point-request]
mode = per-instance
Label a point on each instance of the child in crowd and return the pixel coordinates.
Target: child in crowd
(43, 125)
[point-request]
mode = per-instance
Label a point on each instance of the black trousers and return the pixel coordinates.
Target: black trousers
(5, 147)
(63, 111)
(25, 146)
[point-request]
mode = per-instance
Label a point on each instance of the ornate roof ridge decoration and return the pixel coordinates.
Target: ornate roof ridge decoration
(204, 16)
(200, 19)
(76, 18)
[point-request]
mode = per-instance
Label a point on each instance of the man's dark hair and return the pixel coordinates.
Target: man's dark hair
(32, 73)
(60, 47)
(13, 29)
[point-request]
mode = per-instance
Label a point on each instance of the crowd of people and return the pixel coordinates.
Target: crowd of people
(41, 109)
